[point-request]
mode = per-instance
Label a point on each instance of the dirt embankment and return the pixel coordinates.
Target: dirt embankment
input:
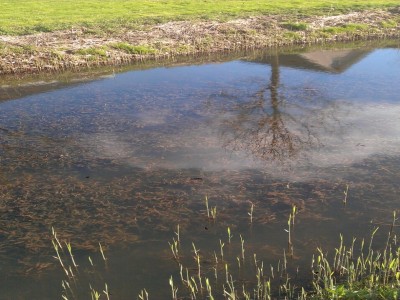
(84, 47)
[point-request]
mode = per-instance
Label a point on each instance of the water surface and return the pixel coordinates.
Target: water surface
(125, 158)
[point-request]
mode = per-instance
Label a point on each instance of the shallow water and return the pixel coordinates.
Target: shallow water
(123, 159)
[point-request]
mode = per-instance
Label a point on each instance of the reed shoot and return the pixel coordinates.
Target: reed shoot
(251, 212)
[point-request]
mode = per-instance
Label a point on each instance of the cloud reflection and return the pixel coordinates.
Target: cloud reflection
(273, 125)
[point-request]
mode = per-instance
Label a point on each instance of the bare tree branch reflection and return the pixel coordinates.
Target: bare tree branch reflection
(268, 127)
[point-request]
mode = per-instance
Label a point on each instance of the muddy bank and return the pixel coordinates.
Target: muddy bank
(79, 48)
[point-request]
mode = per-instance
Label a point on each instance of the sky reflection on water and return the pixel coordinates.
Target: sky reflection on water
(124, 159)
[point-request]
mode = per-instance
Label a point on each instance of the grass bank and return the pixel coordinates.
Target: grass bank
(46, 35)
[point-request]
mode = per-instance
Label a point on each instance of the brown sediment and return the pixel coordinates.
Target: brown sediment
(122, 209)
(80, 48)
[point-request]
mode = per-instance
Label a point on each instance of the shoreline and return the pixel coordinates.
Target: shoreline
(82, 48)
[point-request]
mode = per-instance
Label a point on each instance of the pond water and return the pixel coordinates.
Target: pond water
(125, 158)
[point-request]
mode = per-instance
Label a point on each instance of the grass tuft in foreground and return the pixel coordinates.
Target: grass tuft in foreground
(74, 273)
(354, 271)
(347, 28)
(295, 26)
(131, 49)
(101, 51)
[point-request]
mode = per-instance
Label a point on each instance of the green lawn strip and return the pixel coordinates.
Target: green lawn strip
(345, 28)
(93, 51)
(131, 49)
(28, 16)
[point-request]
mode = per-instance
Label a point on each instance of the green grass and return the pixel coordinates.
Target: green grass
(131, 49)
(6, 49)
(389, 24)
(93, 51)
(292, 36)
(28, 16)
(295, 26)
(345, 28)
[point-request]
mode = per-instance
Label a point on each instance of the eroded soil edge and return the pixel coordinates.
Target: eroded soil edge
(84, 47)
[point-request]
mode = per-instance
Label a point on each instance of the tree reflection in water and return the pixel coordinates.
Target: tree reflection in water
(272, 127)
